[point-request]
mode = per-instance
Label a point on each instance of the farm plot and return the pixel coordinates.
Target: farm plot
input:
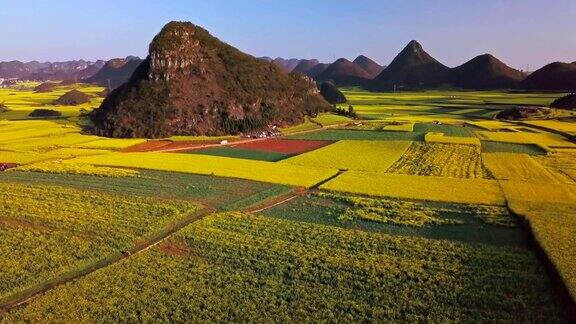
(240, 267)
(27, 157)
(440, 138)
(375, 156)
(400, 127)
(441, 160)
(554, 227)
(15, 130)
(213, 191)
(85, 169)
(491, 125)
(111, 143)
(555, 125)
(234, 152)
(279, 173)
(549, 210)
(456, 222)
(513, 166)
(359, 135)
(452, 130)
(495, 147)
(49, 231)
(561, 164)
(331, 119)
(307, 126)
(545, 140)
(47, 142)
(429, 188)
(284, 146)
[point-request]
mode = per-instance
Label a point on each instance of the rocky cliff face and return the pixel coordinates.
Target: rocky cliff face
(193, 84)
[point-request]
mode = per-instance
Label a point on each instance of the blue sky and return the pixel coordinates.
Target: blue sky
(520, 32)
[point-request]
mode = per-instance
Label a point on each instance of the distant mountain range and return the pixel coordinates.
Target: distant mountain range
(412, 69)
(115, 72)
(342, 72)
(34, 70)
(110, 73)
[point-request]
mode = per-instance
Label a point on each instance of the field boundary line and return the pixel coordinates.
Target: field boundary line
(339, 173)
(278, 203)
(566, 135)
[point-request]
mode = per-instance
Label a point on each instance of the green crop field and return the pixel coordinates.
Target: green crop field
(422, 209)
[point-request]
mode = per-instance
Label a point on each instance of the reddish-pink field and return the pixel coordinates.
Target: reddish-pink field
(286, 146)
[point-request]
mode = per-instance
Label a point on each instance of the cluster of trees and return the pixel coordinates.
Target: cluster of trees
(42, 112)
(232, 125)
(346, 112)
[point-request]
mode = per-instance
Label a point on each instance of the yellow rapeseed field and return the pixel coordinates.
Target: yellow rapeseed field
(19, 157)
(44, 142)
(402, 127)
(554, 227)
(442, 160)
(213, 165)
(491, 125)
(516, 166)
(375, 156)
(85, 169)
(111, 143)
(563, 165)
(440, 138)
(468, 191)
(37, 156)
(550, 210)
(10, 131)
(544, 140)
(330, 119)
(40, 134)
(566, 127)
(538, 192)
(308, 125)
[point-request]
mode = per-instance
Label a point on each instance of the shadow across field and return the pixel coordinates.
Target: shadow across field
(208, 190)
(320, 210)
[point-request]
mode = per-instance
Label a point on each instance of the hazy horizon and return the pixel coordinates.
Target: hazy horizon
(528, 33)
